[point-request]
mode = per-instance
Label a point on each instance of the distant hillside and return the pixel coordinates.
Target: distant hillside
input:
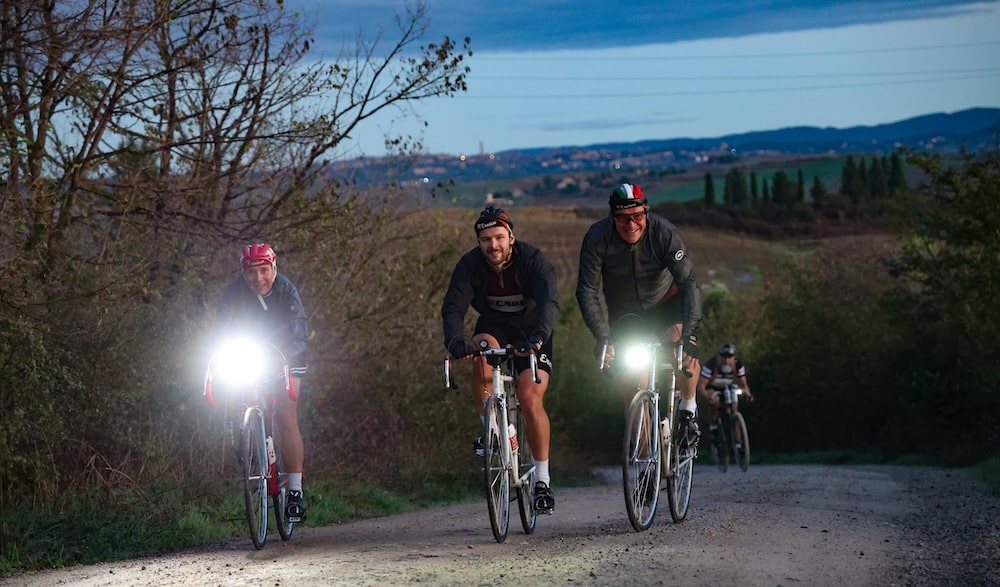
(975, 130)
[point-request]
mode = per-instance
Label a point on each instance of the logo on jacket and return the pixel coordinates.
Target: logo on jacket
(679, 255)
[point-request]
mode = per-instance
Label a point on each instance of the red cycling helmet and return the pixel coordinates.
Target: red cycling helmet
(257, 254)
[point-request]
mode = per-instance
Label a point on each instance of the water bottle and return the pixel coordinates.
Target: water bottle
(271, 457)
(512, 432)
(665, 432)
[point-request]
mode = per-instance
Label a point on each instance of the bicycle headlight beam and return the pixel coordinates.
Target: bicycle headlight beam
(239, 362)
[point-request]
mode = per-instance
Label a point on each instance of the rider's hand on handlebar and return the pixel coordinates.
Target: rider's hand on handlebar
(523, 349)
(690, 346)
(609, 352)
(461, 349)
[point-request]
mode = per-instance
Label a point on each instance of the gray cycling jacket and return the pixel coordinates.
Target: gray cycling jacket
(626, 278)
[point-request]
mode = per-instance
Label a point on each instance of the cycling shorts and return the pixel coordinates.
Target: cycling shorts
(509, 334)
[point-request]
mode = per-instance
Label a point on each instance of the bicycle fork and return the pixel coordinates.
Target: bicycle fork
(509, 456)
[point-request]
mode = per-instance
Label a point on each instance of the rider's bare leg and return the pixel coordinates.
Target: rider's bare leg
(292, 447)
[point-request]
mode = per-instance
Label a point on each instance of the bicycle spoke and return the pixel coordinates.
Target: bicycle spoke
(641, 470)
(497, 473)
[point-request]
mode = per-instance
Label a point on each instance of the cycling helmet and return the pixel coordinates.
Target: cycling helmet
(257, 254)
(727, 350)
(491, 217)
(626, 196)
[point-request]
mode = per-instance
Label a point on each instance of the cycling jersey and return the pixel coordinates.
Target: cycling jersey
(635, 278)
(522, 296)
(721, 374)
(277, 318)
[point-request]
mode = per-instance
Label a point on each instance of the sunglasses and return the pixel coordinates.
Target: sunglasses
(624, 219)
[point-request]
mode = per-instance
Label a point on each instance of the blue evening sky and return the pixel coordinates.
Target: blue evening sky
(551, 73)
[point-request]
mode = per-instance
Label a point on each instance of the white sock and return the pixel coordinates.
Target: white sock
(295, 482)
(542, 472)
(690, 405)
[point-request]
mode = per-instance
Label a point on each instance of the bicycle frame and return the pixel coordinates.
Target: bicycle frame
(507, 476)
(649, 447)
(730, 426)
(240, 366)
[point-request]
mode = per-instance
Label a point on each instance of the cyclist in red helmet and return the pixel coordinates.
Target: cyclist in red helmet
(513, 288)
(266, 304)
(634, 262)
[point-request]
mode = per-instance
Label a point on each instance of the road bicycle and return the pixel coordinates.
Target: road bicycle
(507, 462)
(653, 446)
(732, 441)
(252, 373)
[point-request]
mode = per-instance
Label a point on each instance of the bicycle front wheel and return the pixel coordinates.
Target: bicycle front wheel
(253, 455)
(497, 471)
(640, 463)
(526, 469)
(681, 469)
(742, 440)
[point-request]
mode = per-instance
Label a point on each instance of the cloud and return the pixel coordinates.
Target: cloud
(548, 25)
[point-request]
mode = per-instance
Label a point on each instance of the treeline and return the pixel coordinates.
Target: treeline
(776, 204)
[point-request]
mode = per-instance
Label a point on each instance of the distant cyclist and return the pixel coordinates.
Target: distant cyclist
(513, 288)
(263, 303)
(635, 262)
(718, 373)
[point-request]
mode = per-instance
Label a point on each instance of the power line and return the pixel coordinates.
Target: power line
(733, 77)
(535, 57)
(716, 92)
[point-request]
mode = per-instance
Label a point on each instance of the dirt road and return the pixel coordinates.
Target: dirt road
(773, 525)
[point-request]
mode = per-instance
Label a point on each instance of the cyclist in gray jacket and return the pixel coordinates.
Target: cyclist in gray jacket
(635, 263)
(513, 288)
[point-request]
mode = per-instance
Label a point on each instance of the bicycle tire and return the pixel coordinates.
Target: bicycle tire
(497, 473)
(640, 462)
(725, 442)
(681, 475)
(714, 443)
(253, 454)
(741, 452)
(280, 499)
(526, 468)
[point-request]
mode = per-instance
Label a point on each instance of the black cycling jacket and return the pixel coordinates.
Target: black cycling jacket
(283, 323)
(616, 278)
(470, 285)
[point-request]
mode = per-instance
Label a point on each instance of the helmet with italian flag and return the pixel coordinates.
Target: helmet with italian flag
(626, 196)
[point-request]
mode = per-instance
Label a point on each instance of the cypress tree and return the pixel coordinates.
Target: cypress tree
(709, 191)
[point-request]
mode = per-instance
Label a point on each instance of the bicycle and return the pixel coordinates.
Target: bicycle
(733, 440)
(502, 427)
(240, 366)
(653, 446)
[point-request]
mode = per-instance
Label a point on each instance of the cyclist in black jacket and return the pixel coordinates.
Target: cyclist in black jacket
(635, 262)
(263, 304)
(513, 288)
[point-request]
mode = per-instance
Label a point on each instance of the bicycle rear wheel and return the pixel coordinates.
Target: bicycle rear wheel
(742, 441)
(253, 455)
(640, 463)
(497, 473)
(681, 467)
(280, 499)
(723, 448)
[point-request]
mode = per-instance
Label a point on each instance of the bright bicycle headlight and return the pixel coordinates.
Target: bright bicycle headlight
(636, 357)
(239, 362)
